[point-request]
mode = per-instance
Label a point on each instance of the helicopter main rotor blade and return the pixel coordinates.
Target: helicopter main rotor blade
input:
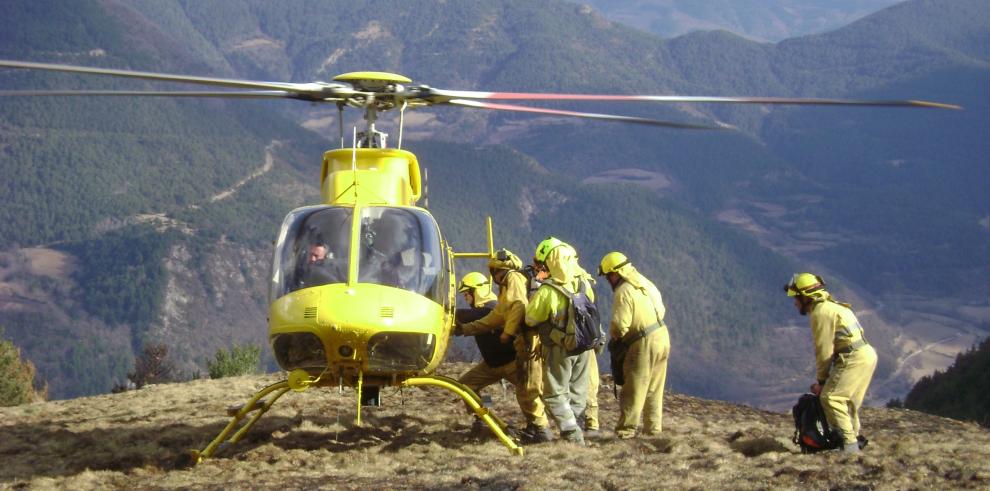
(605, 117)
(257, 94)
(317, 91)
(443, 96)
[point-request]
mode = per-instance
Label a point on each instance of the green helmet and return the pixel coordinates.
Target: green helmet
(472, 281)
(543, 250)
(805, 284)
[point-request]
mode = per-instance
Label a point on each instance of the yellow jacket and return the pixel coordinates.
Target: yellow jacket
(636, 305)
(833, 327)
(508, 312)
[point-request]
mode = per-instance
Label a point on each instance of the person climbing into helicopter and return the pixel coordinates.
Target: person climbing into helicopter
(589, 423)
(512, 280)
(565, 374)
(637, 329)
(844, 360)
(484, 320)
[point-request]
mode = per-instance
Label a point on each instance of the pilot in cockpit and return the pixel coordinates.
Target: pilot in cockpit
(320, 266)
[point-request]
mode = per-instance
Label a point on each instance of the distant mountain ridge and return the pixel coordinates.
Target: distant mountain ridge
(741, 210)
(759, 20)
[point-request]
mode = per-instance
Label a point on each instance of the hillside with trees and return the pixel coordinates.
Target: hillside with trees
(960, 392)
(123, 190)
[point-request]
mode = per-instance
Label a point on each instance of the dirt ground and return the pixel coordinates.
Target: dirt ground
(421, 438)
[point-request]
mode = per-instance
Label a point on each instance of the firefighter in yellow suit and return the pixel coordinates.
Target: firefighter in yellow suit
(844, 360)
(565, 374)
(589, 424)
(637, 322)
(508, 315)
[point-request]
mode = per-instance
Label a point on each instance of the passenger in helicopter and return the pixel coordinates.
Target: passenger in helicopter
(390, 256)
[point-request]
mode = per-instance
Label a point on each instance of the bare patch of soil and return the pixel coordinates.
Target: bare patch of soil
(651, 180)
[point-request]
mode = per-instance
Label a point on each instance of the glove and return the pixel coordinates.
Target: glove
(458, 330)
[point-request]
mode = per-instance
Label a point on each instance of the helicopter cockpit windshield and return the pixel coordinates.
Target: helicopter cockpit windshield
(399, 247)
(313, 250)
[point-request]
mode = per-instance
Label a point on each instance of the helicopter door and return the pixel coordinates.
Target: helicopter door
(400, 247)
(313, 249)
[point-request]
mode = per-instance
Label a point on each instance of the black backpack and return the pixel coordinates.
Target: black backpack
(493, 350)
(811, 431)
(583, 330)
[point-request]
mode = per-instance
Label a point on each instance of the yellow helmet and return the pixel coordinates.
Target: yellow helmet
(806, 284)
(543, 250)
(612, 262)
(473, 281)
(504, 259)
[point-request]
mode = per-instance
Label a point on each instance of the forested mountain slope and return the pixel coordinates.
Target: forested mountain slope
(119, 195)
(960, 391)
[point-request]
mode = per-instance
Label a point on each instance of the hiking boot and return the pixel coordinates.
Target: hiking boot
(592, 433)
(573, 436)
(536, 434)
(851, 447)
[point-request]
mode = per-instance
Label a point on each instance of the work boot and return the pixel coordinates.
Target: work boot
(851, 447)
(592, 433)
(573, 436)
(536, 434)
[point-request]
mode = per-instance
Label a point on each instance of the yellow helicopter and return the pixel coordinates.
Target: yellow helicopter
(362, 285)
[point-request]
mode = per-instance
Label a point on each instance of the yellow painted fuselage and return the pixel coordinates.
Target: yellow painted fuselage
(362, 284)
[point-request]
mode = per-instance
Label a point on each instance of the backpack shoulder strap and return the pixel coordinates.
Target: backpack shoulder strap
(559, 288)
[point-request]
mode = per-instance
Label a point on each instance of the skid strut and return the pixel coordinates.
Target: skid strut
(254, 405)
(474, 402)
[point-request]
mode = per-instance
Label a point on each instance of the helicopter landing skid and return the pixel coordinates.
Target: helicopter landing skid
(300, 381)
(497, 426)
(254, 405)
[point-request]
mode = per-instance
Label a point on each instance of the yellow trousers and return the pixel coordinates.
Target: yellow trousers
(482, 375)
(529, 373)
(843, 393)
(591, 410)
(645, 372)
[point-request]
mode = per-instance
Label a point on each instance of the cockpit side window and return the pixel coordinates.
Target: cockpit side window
(400, 248)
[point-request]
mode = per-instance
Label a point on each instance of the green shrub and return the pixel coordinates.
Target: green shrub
(240, 360)
(16, 377)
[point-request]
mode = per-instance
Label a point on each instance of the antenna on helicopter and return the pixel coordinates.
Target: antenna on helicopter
(426, 185)
(402, 120)
(340, 122)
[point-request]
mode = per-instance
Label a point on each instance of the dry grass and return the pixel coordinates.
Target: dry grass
(421, 439)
